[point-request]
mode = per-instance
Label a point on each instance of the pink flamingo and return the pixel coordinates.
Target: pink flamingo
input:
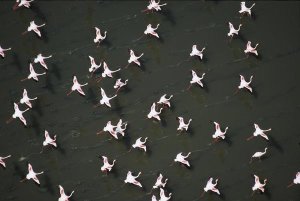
(105, 99)
(150, 30)
(245, 84)
(140, 144)
(183, 126)
(63, 196)
(106, 166)
(132, 179)
(218, 133)
(210, 186)
(33, 74)
(296, 180)
(163, 196)
(196, 52)
(40, 59)
(48, 140)
(154, 6)
(196, 79)
(258, 185)
(32, 175)
(99, 37)
(94, 66)
(181, 159)
(159, 182)
(133, 58)
(119, 129)
(20, 3)
(109, 128)
(245, 9)
(107, 72)
(258, 131)
(25, 99)
(249, 49)
(2, 50)
(77, 87)
(18, 114)
(164, 100)
(153, 113)
(2, 158)
(119, 84)
(34, 27)
(232, 30)
(258, 154)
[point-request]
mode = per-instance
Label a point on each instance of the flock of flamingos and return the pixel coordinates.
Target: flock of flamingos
(164, 101)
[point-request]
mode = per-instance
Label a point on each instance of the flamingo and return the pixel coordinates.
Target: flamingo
(119, 84)
(140, 144)
(181, 159)
(63, 196)
(218, 133)
(106, 166)
(107, 72)
(210, 186)
(249, 49)
(153, 113)
(258, 185)
(245, 84)
(2, 50)
(258, 154)
(153, 198)
(183, 126)
(18, 114)
(196, 79)
(196, 52)
(33, 27)
(244, 9)
(232, 30)
(159, 182)
(134, 58)
(25, 99)
(163, 196)
(105, 99)
(33, 74)
(20, 3)
(258, 131)
(2, 158)
(77, 86)
(164, 100)
(119, 129)
(132, 179)
(99, 37)
(153, 5)
(296, 180)
(94, 66)
(48, 140)
(109, 128)
(150, 30)
(32, 175)
(40, 59)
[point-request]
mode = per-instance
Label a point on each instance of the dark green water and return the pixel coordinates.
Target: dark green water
(69, 37)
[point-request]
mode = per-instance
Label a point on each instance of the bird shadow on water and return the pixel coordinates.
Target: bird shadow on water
(92, 96)
(56, 71)
(106, 43)
(275, 144)
(38, 12)
(118, 107)
(49, 85)
(48, 185)
(44, 37)
(18, 171)
(17, 62)
(37, 107)
(35, 125)
(167, 13)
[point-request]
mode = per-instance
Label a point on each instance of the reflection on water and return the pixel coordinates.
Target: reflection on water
(68, 36)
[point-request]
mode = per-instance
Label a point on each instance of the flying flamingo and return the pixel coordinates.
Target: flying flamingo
(163, 196)
(2, 50)
(119, 129)
(183, 126)
(33, 27)
(20, 3)
(245, 84)
(99, 37)
(1, 160)
(107, 72)
(132, 179)
(33, 74)
(296, 180)
(63, 196)
(25, 99)
(218, 133)
(196, 79)
(105, 99)
(40, 59)
(232, 30)
(249, 49)
(48, 140)
(18, 114)
(153, 113)
(196, 52)
(260, 132)
(32, 175)
(94, 66)
(106, 166)
(140, 144)
(258, 185)
(244, 9)
(153, 5)
(165, 101)
(258, 154)
(150, 30)
(119, 84)
(210, 186)
(77, 87)
(181, 159)
(134, 58)
(109, 128)
(159, 182)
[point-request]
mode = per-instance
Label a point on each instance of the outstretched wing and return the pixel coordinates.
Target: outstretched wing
(217, 126)
(61, 190)
(97, 31)
(103, 93)
(29, 167)
(230, 26)
(24, 93)
(75, 79)
(46, 134)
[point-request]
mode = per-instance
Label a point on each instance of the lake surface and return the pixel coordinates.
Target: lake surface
(68, 36)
